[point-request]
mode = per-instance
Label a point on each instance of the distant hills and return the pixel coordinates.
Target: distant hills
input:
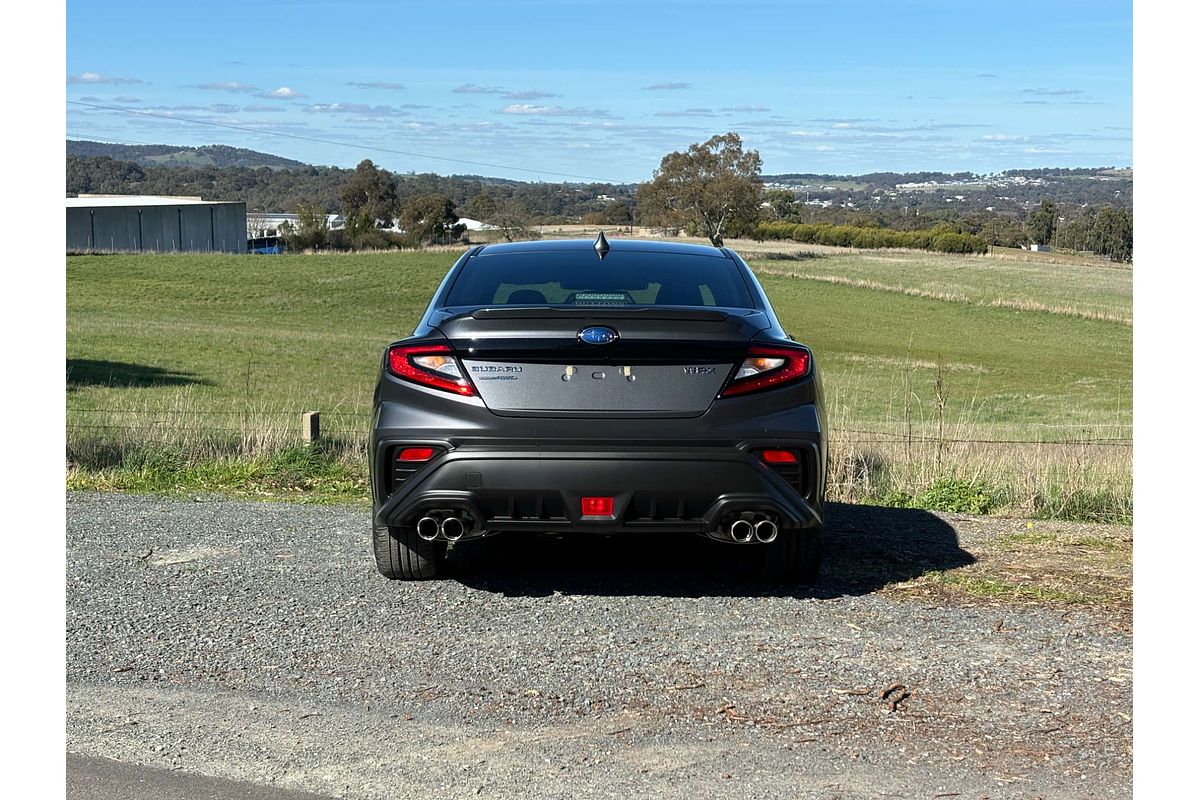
(170, 155)
(887, 198)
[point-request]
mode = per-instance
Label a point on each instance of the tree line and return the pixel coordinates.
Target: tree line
(713, 189)
(1106, 231)
(269, 190)
(379, 216)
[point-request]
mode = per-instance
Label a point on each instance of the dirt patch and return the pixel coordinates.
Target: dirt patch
(1055, 564)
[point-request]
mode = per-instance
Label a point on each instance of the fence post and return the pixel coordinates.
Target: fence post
(311, 426)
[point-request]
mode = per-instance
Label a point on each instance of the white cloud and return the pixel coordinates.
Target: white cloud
(354, 108)
(96, 77)
(282, 93)
(661, 87)
(529, 94)
(471, 88)
(1052, 92)
(225, 86)
(686, 112)
(376, 85)
(528, 109)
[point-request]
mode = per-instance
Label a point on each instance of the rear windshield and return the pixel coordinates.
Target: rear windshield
(579, 278)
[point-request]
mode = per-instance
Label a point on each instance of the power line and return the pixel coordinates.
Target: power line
(115, 140)
(371, 148)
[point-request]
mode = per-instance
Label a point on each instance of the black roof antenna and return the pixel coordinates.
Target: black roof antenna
(601, 246)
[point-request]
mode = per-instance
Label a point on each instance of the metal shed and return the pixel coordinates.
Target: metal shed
(139, 223)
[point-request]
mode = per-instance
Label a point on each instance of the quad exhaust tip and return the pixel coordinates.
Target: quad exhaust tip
(766, 531)
(741, 531)
(441, 525)
(453, 529)
(753, 527)
(427, 528)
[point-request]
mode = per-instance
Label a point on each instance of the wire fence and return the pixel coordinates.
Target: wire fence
(1076, 470)
(235, 420)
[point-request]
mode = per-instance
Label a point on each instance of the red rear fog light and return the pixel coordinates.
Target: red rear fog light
(779, 456)
(597, 506)
(415, 454)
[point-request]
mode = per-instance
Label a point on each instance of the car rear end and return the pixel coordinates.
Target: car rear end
(551, 389)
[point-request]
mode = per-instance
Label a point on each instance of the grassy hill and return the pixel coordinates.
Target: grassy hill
(165, 155)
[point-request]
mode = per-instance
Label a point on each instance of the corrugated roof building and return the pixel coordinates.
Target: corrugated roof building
(142, 223)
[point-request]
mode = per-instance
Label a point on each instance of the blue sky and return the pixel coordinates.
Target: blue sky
(539, 90)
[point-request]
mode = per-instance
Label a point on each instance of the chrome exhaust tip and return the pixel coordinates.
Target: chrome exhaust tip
(427, 528)
(741, 531)
(453, 529)
(766, 531)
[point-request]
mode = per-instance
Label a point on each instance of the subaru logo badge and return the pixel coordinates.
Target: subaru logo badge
(597, 335)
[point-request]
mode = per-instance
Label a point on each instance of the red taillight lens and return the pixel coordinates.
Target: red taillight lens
(430, 365)
(768, 367)
(596, 506)
(415, 454)
(778, 456)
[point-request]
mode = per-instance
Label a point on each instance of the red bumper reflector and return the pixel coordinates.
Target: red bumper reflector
(416, 454)
(597, 506)
(779, 456)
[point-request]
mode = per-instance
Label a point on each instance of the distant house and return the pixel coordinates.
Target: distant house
(259, 224)
(475, 225)
(1041, 248)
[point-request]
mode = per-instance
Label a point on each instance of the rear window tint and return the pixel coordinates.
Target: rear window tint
(578, 278)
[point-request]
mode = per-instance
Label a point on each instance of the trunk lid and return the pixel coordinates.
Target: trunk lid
(667, 362)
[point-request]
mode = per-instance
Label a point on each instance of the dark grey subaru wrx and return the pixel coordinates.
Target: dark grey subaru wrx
(579, 386)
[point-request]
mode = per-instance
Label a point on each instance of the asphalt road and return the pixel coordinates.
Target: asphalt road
(91, 778)
(254, 642)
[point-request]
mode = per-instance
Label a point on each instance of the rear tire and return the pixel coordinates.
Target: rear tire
(795, 557)
(400, 554)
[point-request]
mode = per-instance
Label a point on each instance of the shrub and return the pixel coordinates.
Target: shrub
(1083, 505)
(895, 498)
(957, 496)
(944, 238)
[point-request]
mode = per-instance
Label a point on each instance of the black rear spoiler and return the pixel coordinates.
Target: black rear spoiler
(608, 312)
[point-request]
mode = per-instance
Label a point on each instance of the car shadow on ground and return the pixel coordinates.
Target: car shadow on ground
(88, 372)
(866, 549)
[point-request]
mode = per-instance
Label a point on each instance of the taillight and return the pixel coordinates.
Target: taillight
(430, 365)
(778, 456)
(415, 454)
(768, 367)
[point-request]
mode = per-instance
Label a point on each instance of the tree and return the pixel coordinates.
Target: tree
(1117, 224)
(781, 205)
(427, 218)
(1042, 221)
(311, 231)
(708, 189)
(369, 196)
(482, 207)
(507, 214)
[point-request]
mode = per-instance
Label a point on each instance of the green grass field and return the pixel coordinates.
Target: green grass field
(175, 344)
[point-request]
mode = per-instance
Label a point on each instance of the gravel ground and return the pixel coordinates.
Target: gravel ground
(256, 642)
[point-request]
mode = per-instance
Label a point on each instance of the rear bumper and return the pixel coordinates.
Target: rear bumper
(684, 489)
